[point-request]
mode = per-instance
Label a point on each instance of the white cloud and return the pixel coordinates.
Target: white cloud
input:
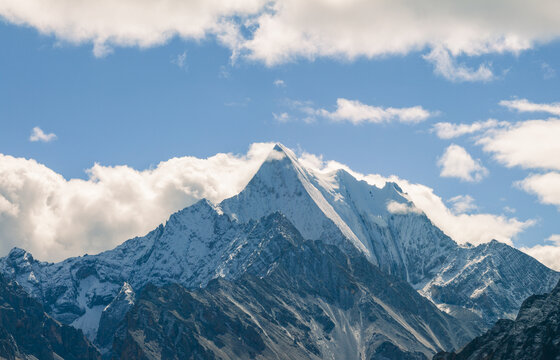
(529, 144)
(446, 130)
(356, 112)
(457, 162)
(279, 83)
(547, 254)
(180, 60)
(524, 105)
(282, 30)
(55, 218)
(462, 204)
(39, 135)
(447, 66)
(282, 117)
(401, 208)
(545, 186)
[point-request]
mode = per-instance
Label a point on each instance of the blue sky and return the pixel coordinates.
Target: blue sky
(138, 106)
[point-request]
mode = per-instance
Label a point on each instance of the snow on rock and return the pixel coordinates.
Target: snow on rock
(206, 241)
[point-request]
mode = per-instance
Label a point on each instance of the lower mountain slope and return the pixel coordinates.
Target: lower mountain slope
(26, 332)
(313, 301)
(533, 335)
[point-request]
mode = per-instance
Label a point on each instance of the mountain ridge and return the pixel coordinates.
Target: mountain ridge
(206, 240)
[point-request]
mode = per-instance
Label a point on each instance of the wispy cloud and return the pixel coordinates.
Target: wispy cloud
(524, 105)
(279, 83)
(180, 60)
(548, 71)
(356, 112)
(446, 130)
(448, 67)
(37, 134)
(281, 117)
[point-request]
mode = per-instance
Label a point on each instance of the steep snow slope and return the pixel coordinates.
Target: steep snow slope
(205, 241)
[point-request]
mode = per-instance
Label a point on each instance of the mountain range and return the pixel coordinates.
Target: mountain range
(346, 261)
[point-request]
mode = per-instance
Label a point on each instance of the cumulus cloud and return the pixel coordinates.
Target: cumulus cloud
(283, 30)
(534, 145)
(55, 218)
(355, 112)
(457, 162)
(445, 65)
(279, 83)
(548, 254)
(524, 105)
(447, 130)
(545, 186)
(529, 144)
(37, 134)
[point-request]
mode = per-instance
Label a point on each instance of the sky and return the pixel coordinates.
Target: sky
(111, 116)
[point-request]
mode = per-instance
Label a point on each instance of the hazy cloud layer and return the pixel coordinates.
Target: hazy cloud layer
(456, 162)
(278, 31)
(55, 218)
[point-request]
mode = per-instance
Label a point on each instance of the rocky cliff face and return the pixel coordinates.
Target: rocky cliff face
(27, 332)
(533, 335)
(312, 301)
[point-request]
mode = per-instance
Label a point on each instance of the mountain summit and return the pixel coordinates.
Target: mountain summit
(206, 241)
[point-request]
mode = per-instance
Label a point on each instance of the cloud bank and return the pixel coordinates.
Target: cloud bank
(279, 31)
(54, 218)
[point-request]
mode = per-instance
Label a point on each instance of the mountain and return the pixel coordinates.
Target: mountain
(534, 335)
(26, 332)
(207, 241)
(313, 301)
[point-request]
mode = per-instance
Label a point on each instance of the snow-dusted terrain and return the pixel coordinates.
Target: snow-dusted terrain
(206, 241)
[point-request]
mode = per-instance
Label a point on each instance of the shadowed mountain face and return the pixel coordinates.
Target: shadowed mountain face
(534, 335)
(312, 302)
(27, 332)
(207, 241)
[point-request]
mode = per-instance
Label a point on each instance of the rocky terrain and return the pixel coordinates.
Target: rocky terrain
(533, 335)
(26, 332)
(206, 241)
(312, 302)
